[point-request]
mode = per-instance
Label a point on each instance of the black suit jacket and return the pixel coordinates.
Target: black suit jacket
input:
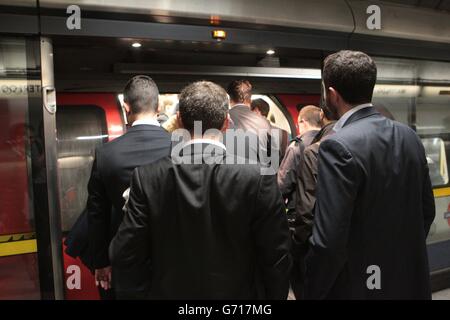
(110, 177)
(210, 231)
(374, 207)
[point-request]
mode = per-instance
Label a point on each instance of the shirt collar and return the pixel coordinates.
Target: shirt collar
(343, 120)
(152, 122)
(206, 141)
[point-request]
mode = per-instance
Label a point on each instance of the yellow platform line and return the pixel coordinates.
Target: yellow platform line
(17, 247)
(441, 192)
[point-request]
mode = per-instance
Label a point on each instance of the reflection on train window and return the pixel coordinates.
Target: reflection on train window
(80, 129)
(275, 116)
(168, 106)
(437, 160)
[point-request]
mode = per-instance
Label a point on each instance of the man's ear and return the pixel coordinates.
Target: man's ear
(179, 121)
(126, 107)
(225, 125)
(334, 96)
(159, 108)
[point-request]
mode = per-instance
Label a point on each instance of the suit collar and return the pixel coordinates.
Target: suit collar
(354, 115)
(309, 134)
(325, 131)
(150, 121)
(344, 118)
(204, 142)
(144, 127)
(360, 114)
(201, 151)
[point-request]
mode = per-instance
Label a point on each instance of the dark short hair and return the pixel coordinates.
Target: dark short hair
(351, 73)
(240, 91)
(203, 101)
(311, 114)
(141, 94)
(261, 105)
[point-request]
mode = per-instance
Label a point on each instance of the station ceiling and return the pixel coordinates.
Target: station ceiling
(442, 5)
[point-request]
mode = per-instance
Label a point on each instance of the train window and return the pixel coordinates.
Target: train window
(80, 129)
(417, 93)
(437, 160)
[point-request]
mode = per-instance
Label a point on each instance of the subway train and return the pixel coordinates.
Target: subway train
(61, 96)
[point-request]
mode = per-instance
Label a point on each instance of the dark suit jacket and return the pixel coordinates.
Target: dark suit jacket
(210, 231)
(305, 193)
(374, 207)
(287, 174)
(110, 177)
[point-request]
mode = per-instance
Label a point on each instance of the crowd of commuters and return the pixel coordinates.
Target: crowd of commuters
(346, 216)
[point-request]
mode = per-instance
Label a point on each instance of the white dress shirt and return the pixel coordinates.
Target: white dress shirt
(152, 122)
(206, 141)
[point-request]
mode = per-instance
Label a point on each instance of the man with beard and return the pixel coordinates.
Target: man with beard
(374, 203)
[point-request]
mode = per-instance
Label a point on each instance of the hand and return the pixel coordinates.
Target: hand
(103, 277)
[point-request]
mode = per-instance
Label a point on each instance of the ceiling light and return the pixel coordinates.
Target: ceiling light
(270, 52)
(136, 45)
(219, 35)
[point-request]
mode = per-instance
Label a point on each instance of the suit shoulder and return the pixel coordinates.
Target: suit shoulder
(405, 129)
(334, 144)
(106, 148)
(156, 166)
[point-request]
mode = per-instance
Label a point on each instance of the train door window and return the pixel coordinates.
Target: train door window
(22, 168)
(276, 116)
(437, 160)
(80, 129)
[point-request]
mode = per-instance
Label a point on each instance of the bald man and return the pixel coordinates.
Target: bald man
(309, 124)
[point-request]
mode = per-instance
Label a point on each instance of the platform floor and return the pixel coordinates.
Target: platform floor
(442, 295)
(438, 295)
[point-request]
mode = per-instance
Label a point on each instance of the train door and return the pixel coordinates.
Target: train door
(29, 250)
(84, 121)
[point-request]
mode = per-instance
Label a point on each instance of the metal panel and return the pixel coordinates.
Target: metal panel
(321, 15)
(404, 22)
(15, 23)
(398, 21)
(51, 165)
(289, 73)
(306, 39)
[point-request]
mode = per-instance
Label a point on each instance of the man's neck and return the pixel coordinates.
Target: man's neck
(143, 117)
(212, 137)
(347, 107)
(234, 104)
(344, 109)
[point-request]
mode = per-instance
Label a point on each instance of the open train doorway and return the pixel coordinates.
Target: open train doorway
(90, 74)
